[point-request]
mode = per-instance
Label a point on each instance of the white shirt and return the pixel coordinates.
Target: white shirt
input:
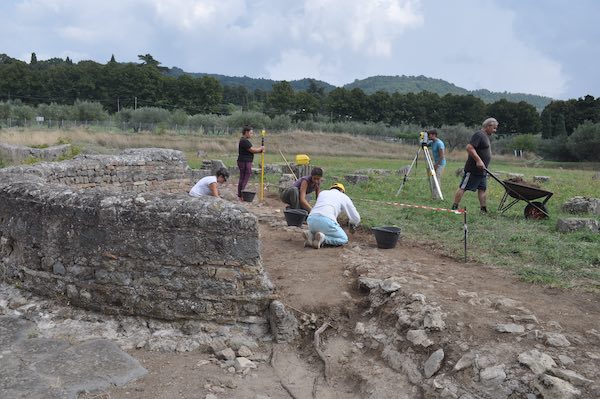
(331, 203)
(202, 187)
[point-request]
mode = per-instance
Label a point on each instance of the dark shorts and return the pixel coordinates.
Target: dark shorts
(471, 182)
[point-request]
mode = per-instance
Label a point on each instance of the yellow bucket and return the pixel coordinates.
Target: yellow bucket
(302, 159)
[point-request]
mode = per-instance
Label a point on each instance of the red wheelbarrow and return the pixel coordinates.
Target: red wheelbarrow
(521, 192)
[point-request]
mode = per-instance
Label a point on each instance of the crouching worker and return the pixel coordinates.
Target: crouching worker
(323, 227)
(295, 196)
(208, 184)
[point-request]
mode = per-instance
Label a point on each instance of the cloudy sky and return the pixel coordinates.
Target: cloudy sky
(547, 47)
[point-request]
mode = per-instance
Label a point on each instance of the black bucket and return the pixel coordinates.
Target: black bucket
(386, 236)
(248, 196)
(295, 217)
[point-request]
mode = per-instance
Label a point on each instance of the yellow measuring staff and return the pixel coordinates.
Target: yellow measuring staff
(263, 133)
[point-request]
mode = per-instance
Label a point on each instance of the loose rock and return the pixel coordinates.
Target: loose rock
(242, 363)
(555, 388)
(565, 360)
(510, 328)
(390, 285)
(537, 361)
(568, 225)
(571, 376)
(433, 364)
(556, 339)
(226, 354)
(465, 361)
(418, 337)
(244, 351)
(359, 329)
(492, 375)
(434, 320)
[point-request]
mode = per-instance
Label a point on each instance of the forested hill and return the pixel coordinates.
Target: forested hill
(401, 84)
(415, 84)
(405, 84)
(253, 83)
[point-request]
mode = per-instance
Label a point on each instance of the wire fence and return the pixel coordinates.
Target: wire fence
(118, 126)
(115, 125)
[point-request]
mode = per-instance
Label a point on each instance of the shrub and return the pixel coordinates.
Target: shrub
(149, 115)
(56, 112)
(22, 112)
(206, 121)
(456, 136)
(584, 142)
(179, 117)
(238, 120)
(74, 151)
(555, 149)
(525, 142)
(88, 111)
(4, 110)
(281, 122)
(508, 143)
(124, 115)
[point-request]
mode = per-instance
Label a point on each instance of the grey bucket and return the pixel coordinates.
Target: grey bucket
(295, 217)
(386, 236)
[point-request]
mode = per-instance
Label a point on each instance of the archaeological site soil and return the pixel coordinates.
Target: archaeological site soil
(322, 286)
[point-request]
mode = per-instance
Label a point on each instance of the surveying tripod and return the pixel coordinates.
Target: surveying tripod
(433, 181)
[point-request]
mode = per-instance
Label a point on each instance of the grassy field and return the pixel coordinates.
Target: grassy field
(533, 250)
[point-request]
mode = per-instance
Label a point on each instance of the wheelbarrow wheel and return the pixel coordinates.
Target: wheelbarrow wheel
(531, 212)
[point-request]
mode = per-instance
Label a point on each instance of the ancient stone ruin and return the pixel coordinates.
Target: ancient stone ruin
(18, 153)
(120, 235)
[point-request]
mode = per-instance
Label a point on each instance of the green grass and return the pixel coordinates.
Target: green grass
(534, 250)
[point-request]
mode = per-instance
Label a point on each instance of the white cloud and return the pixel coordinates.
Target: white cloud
(333, 39)
(472, 43)
(355, 25)
(198, 14)
(297, 64)
(77, 33)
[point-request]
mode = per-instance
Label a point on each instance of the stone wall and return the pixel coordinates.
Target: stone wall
(18, 153)
(139, 170)
(87, 230)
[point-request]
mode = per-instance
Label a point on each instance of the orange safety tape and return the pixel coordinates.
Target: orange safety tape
(455, 211)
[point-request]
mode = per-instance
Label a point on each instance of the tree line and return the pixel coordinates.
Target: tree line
(103, 89)
(146, 84)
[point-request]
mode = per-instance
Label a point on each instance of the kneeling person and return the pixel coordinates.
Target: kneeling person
(323, 227)
(295, 196)
(207, 186)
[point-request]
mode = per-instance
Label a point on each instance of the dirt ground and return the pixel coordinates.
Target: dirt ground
(323, 283)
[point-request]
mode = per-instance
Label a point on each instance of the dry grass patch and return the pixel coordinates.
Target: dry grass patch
(291, 142)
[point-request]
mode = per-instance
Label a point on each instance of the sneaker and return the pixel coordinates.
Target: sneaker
(454, 207)
(319, 240)
(483, 210)
(308, 238)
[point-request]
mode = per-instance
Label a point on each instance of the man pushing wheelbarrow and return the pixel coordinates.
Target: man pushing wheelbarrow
(480, 155)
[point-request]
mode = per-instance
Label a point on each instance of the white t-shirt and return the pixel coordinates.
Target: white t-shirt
(331, 203)
(202, 187)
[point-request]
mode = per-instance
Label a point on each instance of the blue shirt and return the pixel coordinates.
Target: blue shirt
(435, 148)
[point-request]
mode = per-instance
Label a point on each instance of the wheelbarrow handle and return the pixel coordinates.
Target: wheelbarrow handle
(494, 176)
